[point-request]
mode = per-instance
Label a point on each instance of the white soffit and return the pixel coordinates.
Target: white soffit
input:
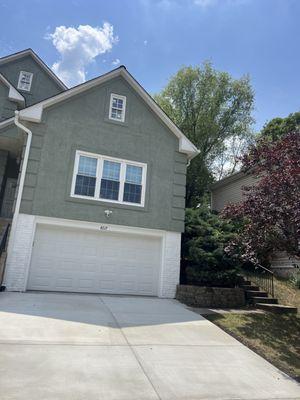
(13, 94)
(34, 112)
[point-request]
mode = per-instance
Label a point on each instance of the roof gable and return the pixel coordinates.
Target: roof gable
(34, 113)
(38, 60)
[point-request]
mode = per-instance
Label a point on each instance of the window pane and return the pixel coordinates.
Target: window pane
(132, 193)
(109, 189)
(111, 170)
(87, 166)
(85, 185)
(117, 103)
(116, 114)
(134, 174)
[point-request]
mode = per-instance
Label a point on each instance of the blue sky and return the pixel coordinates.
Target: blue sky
(81, 39)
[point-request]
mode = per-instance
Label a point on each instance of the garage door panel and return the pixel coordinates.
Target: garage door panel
(86, 284)
(64, 283)
(97, 262)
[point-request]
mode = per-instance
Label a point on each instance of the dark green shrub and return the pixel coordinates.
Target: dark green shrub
(204, 261)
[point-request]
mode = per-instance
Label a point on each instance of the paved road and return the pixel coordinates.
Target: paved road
(91, 347)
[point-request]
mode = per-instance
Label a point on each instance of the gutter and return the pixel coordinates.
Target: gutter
(21, 183)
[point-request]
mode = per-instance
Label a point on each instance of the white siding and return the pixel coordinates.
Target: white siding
(230, 192)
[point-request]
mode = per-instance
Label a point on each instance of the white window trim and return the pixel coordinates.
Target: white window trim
(100, 159)
(19, 81)
(118, 96)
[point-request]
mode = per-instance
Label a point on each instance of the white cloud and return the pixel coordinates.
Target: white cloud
(78, 47)
(145, 42)
(204, 3)
(115, 62)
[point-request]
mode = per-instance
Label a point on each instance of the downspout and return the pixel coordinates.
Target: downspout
(21, 184)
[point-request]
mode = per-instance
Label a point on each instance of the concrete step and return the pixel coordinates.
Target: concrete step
(266, 300)
(250, 287)
(277, 308)
(255, 293)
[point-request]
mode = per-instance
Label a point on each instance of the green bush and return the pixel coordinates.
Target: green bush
(204, 261)
(198, 277)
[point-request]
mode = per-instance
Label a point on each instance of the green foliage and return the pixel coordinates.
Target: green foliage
(209, 107)
(279, 127)
(204, 259)
(270, 208)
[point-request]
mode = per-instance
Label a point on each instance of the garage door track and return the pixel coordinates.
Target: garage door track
(91, 347)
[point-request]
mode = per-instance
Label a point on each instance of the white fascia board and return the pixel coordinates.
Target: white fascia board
(34, 113)
(41, 63)
(13, 94)
(6, 122)
(187, 147)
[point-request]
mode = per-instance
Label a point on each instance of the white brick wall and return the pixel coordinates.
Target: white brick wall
(171, 264)
(19, 253)
(20, 246)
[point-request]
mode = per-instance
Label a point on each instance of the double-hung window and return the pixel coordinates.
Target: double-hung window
(86, 176)
(117, 107)
(25, 80)
(109, 179)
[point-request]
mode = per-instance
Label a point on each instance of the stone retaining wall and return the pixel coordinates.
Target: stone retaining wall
(198, 296)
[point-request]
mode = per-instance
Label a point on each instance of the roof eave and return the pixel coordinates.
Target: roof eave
(25, 52)
(34, 112)
(228, 179)
(13, 94)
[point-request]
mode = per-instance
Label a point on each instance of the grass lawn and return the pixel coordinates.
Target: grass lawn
(286, 293)
(275, 337)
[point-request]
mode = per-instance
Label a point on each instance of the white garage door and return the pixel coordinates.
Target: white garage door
(75, 260)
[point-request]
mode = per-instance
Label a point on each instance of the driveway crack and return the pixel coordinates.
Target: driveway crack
(130, 347)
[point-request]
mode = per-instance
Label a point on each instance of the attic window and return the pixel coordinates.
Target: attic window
(117, 107)
(25, 79)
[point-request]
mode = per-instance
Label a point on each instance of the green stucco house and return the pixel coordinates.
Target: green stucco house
(92, 179)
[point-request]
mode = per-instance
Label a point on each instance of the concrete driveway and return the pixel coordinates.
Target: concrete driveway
(91, 347)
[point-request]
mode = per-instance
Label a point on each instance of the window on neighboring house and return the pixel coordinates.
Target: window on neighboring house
(109, 179)
(25, 80)
(117, 107)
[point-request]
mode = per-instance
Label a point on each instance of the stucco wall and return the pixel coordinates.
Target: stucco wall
(7, 107)
(42, 85)
(82, 123)
(230, 192)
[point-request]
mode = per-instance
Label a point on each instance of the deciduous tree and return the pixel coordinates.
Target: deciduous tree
(210, 107)
(271, 208)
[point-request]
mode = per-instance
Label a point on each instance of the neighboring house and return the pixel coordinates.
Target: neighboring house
(230, 190)
(100, 172)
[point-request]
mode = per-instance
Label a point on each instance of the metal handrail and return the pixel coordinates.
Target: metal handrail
(263, 277)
